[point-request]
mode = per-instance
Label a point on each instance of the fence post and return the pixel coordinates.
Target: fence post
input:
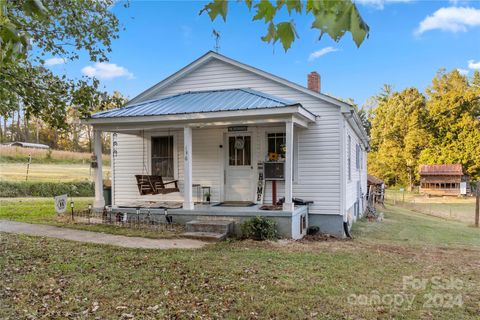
(477, 205)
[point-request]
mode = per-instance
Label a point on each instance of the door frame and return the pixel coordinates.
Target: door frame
(253, 161)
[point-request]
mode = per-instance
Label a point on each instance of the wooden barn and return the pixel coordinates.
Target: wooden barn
(443, 180)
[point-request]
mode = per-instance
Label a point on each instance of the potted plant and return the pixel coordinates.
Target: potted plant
(206, 196)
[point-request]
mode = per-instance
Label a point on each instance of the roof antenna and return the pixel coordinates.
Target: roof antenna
(216, 35)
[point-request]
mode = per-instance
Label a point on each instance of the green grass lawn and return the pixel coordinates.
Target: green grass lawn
(405, 227)
(48, 172)
(48, 278)
(451, 208)
(41, 210)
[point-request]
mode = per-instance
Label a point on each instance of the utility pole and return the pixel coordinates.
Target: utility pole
(477, 205)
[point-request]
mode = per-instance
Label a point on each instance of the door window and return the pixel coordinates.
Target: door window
(239, 151)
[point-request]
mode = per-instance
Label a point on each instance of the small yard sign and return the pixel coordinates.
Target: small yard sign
(61, 203)
(463, 188)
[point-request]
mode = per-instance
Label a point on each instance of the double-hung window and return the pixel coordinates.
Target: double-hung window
(276, 143)
(162, 156)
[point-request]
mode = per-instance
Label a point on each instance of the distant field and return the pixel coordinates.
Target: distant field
(48, 172)
(454, 208)
(21, 155)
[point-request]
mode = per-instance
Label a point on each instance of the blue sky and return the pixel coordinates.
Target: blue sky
(409, 42)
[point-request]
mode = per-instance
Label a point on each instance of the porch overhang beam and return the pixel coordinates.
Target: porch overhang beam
(205, 117)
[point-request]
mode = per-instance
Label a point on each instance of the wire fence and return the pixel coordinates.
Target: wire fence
(142, 221)
(453, 208)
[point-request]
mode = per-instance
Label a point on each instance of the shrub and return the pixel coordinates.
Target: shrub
(259, 228)
(45, 189)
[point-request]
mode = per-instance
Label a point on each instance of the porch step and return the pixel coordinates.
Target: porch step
(210, 226)
(205, 236)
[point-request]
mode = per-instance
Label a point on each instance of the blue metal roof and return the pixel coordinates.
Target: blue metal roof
(199, 101)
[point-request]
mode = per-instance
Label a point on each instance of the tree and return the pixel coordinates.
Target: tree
(398, 135)
(55, 27)
(454, 121)
(333, 17)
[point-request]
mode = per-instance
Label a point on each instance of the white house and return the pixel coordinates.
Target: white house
(219, 123)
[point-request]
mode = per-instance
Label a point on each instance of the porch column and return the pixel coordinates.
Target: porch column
(99, 202)
(187, 171)
(288, 204)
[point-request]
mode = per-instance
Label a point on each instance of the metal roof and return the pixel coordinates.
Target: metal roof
(198, 102)
(28, 145)
(441, 169)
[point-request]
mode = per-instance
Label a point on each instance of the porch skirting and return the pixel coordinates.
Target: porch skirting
(288, 223)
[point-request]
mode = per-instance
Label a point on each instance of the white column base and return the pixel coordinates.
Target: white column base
(288, 207)
(188, 205)
(98, 205)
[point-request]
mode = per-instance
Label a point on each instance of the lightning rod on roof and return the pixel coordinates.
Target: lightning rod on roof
(216, 35)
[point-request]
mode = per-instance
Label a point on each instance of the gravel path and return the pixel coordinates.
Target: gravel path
(97, 237)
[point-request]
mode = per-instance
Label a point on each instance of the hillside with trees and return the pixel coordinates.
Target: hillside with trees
(440, 126)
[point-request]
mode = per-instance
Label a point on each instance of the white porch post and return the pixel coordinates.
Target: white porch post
(187, 171)
(99, 202)
(288, 204)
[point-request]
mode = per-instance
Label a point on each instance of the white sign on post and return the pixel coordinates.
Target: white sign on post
(61, 203)
(463, 188)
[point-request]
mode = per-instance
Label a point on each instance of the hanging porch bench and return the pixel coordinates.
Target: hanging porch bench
(152, 184)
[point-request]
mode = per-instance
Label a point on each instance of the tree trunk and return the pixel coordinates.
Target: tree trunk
(19, 130)
(1, 133)
(37, 131)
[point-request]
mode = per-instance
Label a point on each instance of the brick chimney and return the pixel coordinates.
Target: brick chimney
(313, 81)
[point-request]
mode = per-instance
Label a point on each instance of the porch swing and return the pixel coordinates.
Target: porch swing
(154, 184)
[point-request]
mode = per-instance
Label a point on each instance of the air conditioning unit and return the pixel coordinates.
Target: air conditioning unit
(274, 170)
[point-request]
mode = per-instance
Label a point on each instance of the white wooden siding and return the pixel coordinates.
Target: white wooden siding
(206, 157)
(357, 174)
(318, 177)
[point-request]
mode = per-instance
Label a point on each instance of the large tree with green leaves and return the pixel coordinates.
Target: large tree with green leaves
(454, 121)
(398, 135)
(331, 17)
(33, 29)
(442, 127)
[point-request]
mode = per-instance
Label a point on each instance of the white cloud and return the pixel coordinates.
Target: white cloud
(106, 71)
(463, 71)
(379, 4)
(474, 65)
(317, 54)
(54, 61)
(453, 19)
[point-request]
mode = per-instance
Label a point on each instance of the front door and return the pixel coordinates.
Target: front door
(239, 168)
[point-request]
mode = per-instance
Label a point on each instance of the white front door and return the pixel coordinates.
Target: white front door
(239, 179)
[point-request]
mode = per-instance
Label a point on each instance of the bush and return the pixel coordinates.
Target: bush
(46, 189)
(259, 228)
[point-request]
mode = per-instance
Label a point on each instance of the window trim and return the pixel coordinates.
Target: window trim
(148, 151)
(349, 157)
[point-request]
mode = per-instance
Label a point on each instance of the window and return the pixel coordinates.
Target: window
(162, 156)
(349, 158)
(239, 151)
(276, 142)
(357, 154)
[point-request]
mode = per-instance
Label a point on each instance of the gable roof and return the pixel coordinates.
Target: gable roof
(441, 170)
(200, 102)
(210, 55)
(347, 109)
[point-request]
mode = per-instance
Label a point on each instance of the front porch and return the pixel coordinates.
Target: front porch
(223, 149)
(289, 224)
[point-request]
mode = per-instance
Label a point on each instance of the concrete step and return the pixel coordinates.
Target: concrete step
(210, 226)
(205, 236)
